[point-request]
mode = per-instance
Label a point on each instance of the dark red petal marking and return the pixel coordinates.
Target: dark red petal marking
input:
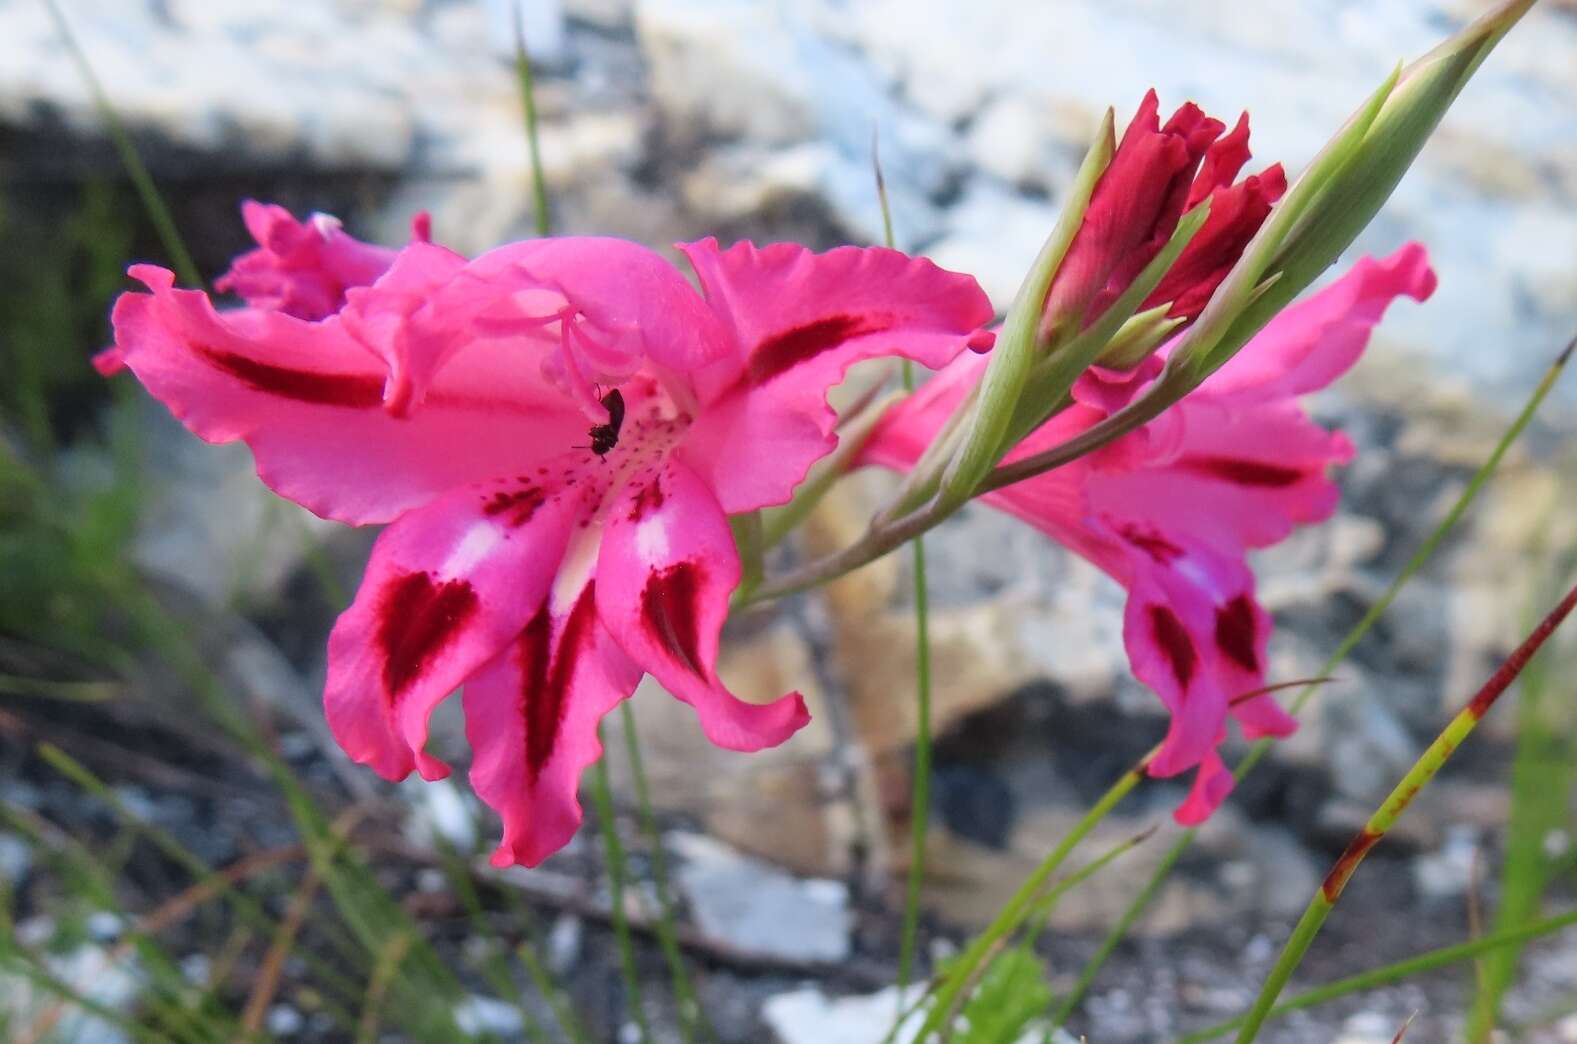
(1235, 633)
(670, 603)
(351, 390)
(787, 349)
(647, 499)
(416, 619)
(1174, 641)
(518, 504)
(1153, 544)
(1245, 472)
(1347, 862)
(544, 692)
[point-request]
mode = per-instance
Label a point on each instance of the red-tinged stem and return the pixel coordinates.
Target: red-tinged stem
(1423, 770)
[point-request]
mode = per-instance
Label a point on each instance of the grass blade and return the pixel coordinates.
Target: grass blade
(691, 1017)
(920, 793)
(1425, 552)
(1398, 971)
(528, 101)
(618, 874)
(1419, 776)
(147, 191)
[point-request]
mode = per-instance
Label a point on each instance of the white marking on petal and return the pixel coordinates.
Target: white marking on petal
(580, 558)
(477, 544)
(651, 540)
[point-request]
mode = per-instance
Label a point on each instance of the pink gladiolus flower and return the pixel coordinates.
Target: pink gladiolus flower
(1170, 510)
(550, 542)
(1156, 174)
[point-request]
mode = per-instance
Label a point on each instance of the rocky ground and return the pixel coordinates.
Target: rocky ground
(669, 119)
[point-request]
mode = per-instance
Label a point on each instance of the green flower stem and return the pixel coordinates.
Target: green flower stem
(1018, 908)
(920, 794)
(920, 800)
(1258, 751)
(618, 874)
(1120, 930)
(690, 1014)
(1419, 776)
(562, 1009)
(528, 101)
(1398, 971)
(1047, 904)
(141, 180)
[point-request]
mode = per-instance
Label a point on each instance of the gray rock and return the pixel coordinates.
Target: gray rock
(16, 858)
(284, 1021)
(755, 908)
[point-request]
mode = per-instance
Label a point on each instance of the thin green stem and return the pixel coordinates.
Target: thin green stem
(691, 1017)
(920, 798)
(618, 875)
(562, 1010)
(1120, 930)
(528, 100)
(1021, 904)
(1258, 750)
(1419, 776)
(1398, 971)
(1046, 905)
(491, 963)
(141, 180)
(920, 795)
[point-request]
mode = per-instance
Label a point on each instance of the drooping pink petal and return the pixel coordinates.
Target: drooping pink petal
(308, 399)
(393, 320)
(531, 717)
(1311, 343)
(109, 361)
(1212, 783)
(448, 586)
(665, 572)
(800, 320)
(303, 268)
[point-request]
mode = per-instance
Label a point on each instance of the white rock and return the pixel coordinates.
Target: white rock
(1448, 872)
(564, 942)
(103, 925)
(477, 1015)
(809, 1016)
(439, 811)
(1370, 1027)
(110, 980)
(756, 908)
(767, 72)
